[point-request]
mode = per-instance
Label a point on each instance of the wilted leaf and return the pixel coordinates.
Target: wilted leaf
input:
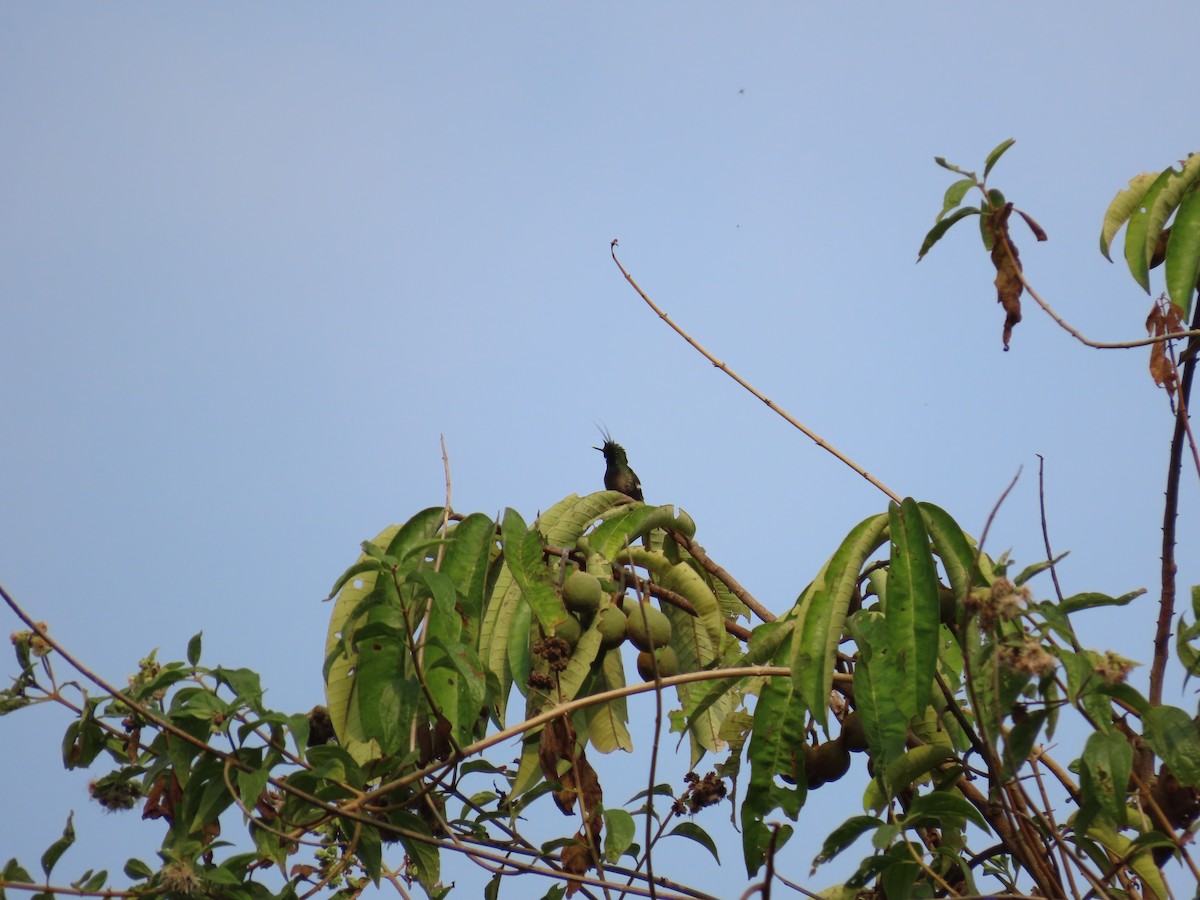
(1163, 319)
(1007, 261)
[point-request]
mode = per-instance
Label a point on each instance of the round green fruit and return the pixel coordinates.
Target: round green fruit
(582, 592)
(648, 627)
(569, 630)
(610, 622)
(826, 762)
(668, 663)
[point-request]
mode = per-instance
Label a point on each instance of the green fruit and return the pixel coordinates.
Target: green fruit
(825, 762)
(668, 663)
(610, 622)
(853, 737)
(648, 627)
(582, 592)
(569, 630)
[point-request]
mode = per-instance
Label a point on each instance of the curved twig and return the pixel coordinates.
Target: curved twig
(782, 413)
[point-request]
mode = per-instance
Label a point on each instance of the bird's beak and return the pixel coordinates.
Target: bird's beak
(601, 449)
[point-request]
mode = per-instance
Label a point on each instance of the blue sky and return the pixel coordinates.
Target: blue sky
(255, 260)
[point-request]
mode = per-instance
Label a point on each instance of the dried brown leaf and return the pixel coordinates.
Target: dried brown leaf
(1007, 261)
(576, 860)
(1163, 319)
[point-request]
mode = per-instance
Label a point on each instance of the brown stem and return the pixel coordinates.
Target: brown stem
(1166, 605)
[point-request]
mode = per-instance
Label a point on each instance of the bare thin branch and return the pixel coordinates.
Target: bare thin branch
(782, 413)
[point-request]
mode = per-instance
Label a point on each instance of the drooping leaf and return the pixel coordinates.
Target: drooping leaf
(911, 615)
(1183, 253)
(1141, 861)
(1137, 232)
(875, 684)
(694, 832)
(1168, 199)
(939, 230)
(1122, 206)
(944, 809)
(821, 613)
(843, 836)
(775, 746)
(941, 161)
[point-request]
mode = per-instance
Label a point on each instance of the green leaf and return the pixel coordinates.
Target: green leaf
(1173, 735)
(875, 684)
(947, 809)
(954, 195)
(941, 161)
(779, 720)
(953, 548)
(14, 873)
(916, 763)
(694, 832)
(995, 155)
(1103, 776)
(619, 830)
(193, 649)
(468, 560)
(1183, 253)
(1142, 862)
(822, 610)
(1122, 207)
(137, 870)
(843, 836)
(939, 230)
(59, 847)
(912, 612)
(1137, 232)
(1091, 600)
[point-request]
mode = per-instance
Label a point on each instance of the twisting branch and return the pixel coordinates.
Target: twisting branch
(718, 572)
(782, 413)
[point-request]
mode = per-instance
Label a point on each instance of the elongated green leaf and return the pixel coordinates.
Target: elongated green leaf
(954, 195)
(953, 548)
(340, 694)
(875, 684)
(774, 749)
(843, 836)
(1172, 734)
(822, 614)
(467, 561)
(1142, 862)
(995, 155)
(912, 612)
(1137, 232)
(939, 230)
(1091, 600)
(1183, 253)
(1122, 207)
(765, 643)
(607, 722)
(915, 764)
(1168, 199)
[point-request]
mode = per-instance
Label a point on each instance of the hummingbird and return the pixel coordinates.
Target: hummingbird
(617, 474)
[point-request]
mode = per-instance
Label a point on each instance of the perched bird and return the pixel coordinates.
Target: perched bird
(617, 474)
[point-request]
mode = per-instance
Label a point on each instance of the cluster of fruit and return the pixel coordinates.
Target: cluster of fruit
(642, 624)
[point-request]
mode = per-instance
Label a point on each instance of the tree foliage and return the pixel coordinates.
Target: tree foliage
(912, 654)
